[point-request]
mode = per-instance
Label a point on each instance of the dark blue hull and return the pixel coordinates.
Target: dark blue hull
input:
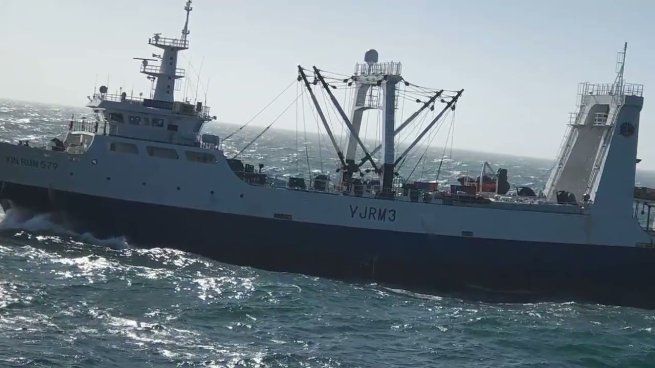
(481, 268)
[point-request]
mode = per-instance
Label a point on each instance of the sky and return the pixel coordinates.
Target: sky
(518, 61)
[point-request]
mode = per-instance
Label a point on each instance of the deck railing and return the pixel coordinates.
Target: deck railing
(157, 40)
(84, 125)
(644, 212)
(118, 98)
(156, 69)
(386, 68)
(611, 89)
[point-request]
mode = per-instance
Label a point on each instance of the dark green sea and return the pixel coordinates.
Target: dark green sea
(72, 300)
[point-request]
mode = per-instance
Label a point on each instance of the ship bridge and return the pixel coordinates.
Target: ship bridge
(160, 117)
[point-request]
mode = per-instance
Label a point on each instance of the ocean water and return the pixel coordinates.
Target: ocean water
(70, 299)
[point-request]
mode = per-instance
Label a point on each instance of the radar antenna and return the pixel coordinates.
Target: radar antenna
(185, 31)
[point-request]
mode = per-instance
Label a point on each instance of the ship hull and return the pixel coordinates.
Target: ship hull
(490, 269)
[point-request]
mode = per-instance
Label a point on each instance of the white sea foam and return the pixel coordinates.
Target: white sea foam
(214, 287)
(20, 219)
(8, 294)
(414, 294)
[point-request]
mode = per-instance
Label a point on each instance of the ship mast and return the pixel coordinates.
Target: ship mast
(185, 30)
(620, 68)
(375, 88)
(302, 76)
(391, 78)
(365, 99)
(167, 72)
(345, 118)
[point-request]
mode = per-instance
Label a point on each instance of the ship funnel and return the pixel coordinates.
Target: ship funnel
(371, 56)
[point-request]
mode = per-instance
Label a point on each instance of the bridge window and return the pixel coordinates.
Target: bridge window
(162, 152)
(172, 127)
(135, 120)
(116, 117)
(205, 158)
(157, 122)
(123, 147)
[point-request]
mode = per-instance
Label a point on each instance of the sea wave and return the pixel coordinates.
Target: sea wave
(22, 219)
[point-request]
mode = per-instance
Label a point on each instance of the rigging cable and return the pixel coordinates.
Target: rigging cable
(267, 127)
(344, 102)
(304, 124)
(365, 112)
(449, 106)
(402, 109)
(318, 134)
(451, 131)
(378, 133)
(415, 129)
(202, 62)
(433, 134)
(329, 110)
(295, 154)
(259, 112)
(420, 159)
(428, 157)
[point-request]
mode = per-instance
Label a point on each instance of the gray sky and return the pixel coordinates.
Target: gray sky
(519, 61)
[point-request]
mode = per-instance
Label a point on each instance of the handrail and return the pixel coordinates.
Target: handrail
(156, 69)
(210, 146)
(83, 125)
(611, 89)
(386, 68)
(157, 40)
(424, 197)
(117, 98)
(644, 216)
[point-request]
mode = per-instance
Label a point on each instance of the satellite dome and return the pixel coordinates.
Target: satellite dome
(371, 56)
(103, 89)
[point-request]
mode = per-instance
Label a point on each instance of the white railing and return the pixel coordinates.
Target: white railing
(387, 68)
(611, 89)
(210, 146)
(157, 40)
(117, 98)
(84, 125)
(643, 213)
(204, 113)
(156, 69)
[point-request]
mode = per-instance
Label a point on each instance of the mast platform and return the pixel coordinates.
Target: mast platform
(156, 70)
(163, 42)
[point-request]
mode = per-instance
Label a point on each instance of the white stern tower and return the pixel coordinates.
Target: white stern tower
(597, 161)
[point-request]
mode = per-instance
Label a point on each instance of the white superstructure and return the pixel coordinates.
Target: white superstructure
(159, 118)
